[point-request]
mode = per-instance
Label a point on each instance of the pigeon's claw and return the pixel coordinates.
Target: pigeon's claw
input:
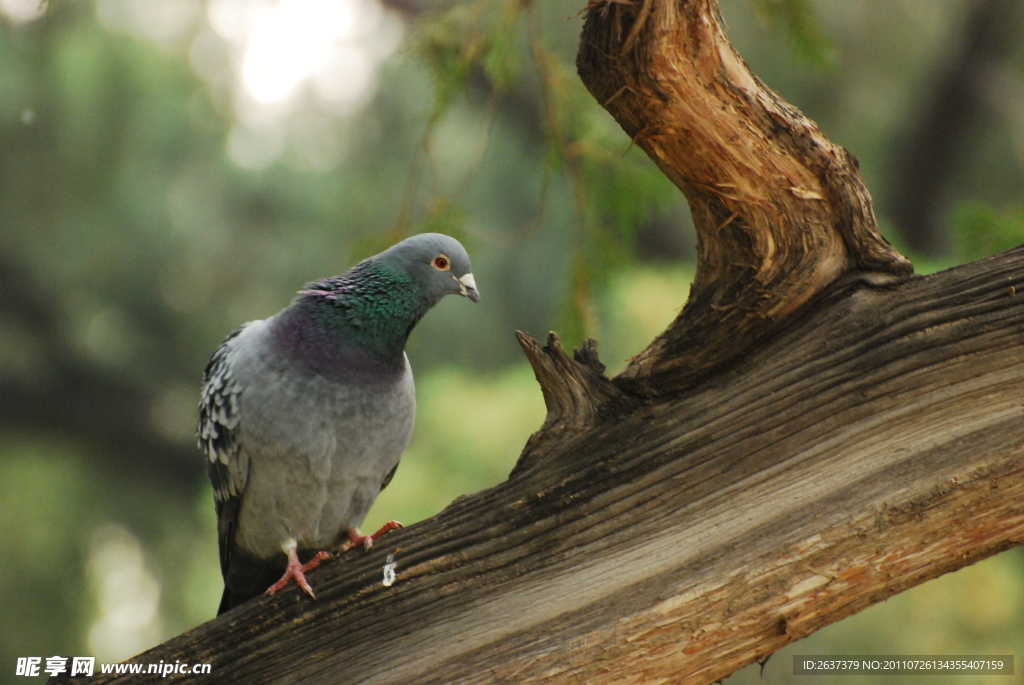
(297, 571)
(355, 538)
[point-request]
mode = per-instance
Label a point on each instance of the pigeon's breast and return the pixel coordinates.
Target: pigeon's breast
(319, 447)
(372, 432)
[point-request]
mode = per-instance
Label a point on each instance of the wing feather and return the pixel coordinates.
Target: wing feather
(219, 437)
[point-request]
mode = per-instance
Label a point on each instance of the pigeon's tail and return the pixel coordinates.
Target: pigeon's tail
(231, 598)
(225, 601)
(248, 577)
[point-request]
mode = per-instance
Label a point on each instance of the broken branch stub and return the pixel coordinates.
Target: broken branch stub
(576, 391)
(781, 212)
(577, 394)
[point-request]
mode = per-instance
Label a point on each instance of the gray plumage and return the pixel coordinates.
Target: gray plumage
(305, 415)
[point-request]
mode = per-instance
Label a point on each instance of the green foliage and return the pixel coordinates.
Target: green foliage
(502, 58)
(807, 38)
(980, 230)
(465, 37)
(449, 45)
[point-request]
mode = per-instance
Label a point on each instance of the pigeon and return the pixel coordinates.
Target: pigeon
(304, 416)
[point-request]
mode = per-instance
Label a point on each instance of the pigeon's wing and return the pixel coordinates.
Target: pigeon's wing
(387, 478)
(220, 439)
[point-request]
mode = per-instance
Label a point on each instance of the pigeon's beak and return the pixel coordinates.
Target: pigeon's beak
(467, 287)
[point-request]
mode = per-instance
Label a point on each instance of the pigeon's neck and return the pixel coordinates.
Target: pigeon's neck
(363, 316)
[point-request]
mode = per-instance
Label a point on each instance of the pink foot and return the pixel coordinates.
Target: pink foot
(297, 572)
(355, 538)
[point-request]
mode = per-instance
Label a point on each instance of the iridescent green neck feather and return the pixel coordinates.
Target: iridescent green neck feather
(372, 307)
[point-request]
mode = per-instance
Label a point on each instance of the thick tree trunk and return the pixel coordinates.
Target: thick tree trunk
(817, 431)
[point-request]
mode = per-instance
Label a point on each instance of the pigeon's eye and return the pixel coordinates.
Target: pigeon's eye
(442, 263)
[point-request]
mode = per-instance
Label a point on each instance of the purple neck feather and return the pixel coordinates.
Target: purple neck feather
(317, 341)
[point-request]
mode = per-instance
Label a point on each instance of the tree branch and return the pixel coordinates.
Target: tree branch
(577, 394)
(781, 213)
(872, 446)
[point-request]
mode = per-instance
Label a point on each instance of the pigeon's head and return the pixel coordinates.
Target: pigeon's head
(437, 262)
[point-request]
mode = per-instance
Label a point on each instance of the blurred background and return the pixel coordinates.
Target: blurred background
(172, 168)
